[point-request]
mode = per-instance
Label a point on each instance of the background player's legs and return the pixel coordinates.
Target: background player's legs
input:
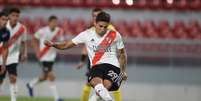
(101, 87)
(51, 79)
(12, 70)
(117, 95)
(85, 92)
(2, 76)
(13, 86)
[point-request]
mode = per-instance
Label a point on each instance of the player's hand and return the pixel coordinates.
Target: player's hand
(80, 65)
(124, 76)
(2, 69)
(23, 57)
(48, 43)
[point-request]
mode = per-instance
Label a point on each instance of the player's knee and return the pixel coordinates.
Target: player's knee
(13, 78)
(95, 81)
(107, 84)
(51, 76)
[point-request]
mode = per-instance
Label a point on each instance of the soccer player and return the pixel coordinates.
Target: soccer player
(46, 55)
(4, 37)
(87, 88)
(106, 52)
(17, 49)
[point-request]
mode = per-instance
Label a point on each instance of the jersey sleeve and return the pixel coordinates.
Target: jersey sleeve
(120, 43)
(80, 38)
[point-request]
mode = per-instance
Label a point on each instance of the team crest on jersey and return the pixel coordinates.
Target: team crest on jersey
(109, 40)
(92, 40)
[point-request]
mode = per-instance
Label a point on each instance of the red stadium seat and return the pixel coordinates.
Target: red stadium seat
(38, 22)
(66, 25)
(78, 25)
(136, 29)
(122, 27)
(24, 2)
(166, 34)
(181, 4)
(195, 4)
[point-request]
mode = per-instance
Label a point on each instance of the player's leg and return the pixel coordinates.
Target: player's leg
(117, 95)
(12, 70)
(2, 77)
(30, 85)
(87, 87)
(85, 92)
(96, 80)
(112, 81)
(51, 79)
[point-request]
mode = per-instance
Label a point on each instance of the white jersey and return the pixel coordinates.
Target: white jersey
(46, 34)
(14, 49)
(92, 40)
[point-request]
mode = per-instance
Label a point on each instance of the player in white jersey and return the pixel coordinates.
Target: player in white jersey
(46, 55)
(107, 55)
(17, 48)
(85, 60)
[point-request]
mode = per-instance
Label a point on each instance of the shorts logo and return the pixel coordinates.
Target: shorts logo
(112, 74)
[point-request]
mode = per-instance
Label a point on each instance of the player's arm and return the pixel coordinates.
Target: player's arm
(80, 38)
(35, 45)
(5, 52)
(23, 47)
(61, 45)
(83, 58)
(23, 51)
(123, 61)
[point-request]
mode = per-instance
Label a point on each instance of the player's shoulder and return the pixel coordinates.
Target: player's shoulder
(111, 27)
(89, 30)
(4, 34)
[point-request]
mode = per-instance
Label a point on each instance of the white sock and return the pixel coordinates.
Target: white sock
(93, 97)
(13, 92)
(33, 82)
(103, 92)
(54, 91)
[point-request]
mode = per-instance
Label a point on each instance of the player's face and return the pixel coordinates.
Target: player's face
(14, 17)
(3, 21)
(53, 23)
(101, 27)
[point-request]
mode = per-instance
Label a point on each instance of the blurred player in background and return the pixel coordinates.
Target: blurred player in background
(106, 53)
(17, 49)
(46, 55)
(4, 37)
(84, 59)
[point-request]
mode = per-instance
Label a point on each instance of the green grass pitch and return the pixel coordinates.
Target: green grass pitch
(7, 98)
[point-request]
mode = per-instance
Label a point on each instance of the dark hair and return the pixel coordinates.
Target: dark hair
(3, 14)
(103, 16)
(97, 10)
(14, 10)
(52, 17)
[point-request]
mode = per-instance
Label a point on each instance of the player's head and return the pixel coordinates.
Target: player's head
(14, 15)
(94, 13)
(3, 19)
(102, 22)
(52, 22)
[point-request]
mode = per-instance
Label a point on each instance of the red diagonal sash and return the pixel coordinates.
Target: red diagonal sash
(106, 42)
(44, 50)
(14, 37)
